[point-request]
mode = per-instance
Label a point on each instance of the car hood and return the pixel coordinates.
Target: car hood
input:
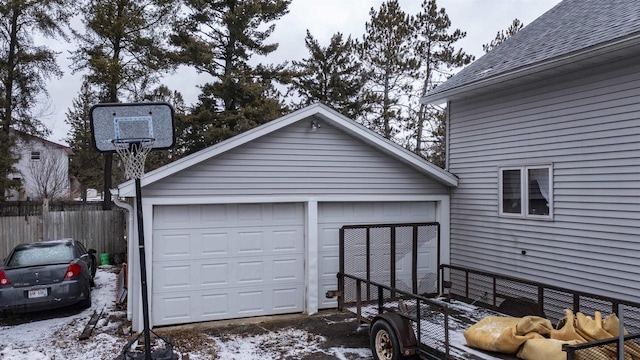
(36, 275)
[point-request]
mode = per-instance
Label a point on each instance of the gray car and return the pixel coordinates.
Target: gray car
(47, 275)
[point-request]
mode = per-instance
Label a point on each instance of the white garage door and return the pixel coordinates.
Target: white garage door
(213, 262)
(332, 216)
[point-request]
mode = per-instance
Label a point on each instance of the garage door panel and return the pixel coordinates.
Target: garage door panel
(232, 303)
(214, 244)
(173, 217)
(173, 308)
(193, 275)
(285, 299)
(251, 302)
(284, 270)
(214, 274)
(214, 305)
(209, 215)
(285, 240)
(331, 236)
(232, 261)
(250, 242)
(394, 210)
(172, 245)
(250, 272)
(188, 216)
(329, 265)
(173, 277)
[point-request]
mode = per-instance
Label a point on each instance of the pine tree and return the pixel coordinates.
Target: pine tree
(218, 37)
(436, 149)
(123, 50)
(503, 35)
(85, 164)
(331, 75)
(24, 67)
(434, 45)
(388, 57)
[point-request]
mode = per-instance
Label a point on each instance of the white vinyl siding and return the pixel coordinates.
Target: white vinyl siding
(295, 160)
(587, 124)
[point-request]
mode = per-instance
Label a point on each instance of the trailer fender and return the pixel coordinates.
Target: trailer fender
(403, 330)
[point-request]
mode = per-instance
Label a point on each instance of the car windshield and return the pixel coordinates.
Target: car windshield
(41, 255)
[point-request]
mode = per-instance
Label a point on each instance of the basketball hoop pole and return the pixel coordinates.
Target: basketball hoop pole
(133, 152)
(143, 273)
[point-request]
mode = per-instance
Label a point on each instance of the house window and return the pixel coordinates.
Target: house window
(511, 191)
(526, 191)
(35, 155)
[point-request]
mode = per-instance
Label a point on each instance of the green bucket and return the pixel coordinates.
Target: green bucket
(104, 259)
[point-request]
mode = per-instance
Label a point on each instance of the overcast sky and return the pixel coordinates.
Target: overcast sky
(481, 19)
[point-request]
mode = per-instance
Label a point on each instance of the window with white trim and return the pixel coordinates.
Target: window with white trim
(526, 191)
(35, 155)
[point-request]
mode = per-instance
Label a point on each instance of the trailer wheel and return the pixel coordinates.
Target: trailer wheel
(384, 342)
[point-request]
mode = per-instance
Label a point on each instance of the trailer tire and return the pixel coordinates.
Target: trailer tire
(384, 342)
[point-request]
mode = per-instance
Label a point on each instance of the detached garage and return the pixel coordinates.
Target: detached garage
(250, 226)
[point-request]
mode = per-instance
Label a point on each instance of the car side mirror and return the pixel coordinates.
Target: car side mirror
(92, 251)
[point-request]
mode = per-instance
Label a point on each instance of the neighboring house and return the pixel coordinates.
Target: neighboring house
(543, 134)
(43, 168)
(250, 226)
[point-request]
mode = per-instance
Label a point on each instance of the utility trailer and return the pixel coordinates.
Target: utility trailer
(389, 278)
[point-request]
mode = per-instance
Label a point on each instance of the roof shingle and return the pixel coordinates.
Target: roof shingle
(570, 26)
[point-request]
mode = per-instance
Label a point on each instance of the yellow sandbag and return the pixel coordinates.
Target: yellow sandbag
(547, 349)
(591, 329)
(495, 333)
(566, 331)
(611, 324)
(535, 324)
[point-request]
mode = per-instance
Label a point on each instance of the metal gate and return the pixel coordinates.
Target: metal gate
(402, 256)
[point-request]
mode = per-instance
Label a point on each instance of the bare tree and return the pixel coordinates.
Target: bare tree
(50, 177)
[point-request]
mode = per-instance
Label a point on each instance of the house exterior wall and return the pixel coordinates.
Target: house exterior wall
(49, 172)
(587, 126)
(294, 161)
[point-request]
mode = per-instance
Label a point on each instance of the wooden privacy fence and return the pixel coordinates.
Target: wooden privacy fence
(102, 230)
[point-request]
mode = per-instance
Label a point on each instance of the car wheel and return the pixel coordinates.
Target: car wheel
(384, 342)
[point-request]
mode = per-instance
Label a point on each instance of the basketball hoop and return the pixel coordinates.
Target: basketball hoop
(133, 130)
(133, 153)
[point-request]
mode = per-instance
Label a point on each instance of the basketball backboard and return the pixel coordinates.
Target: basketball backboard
(131, 122)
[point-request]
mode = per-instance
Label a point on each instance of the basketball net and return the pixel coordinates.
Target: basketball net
(133, 153)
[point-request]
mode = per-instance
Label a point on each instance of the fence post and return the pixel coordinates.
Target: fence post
(47, 227)
(621, 330)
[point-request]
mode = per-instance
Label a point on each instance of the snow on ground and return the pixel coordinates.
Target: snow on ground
(289, 343)
(57, 339)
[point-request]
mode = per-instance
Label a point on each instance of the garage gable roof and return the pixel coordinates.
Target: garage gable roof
(321, 111)
(574, 31)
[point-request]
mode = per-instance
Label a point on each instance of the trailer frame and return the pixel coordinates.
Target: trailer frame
(430, 325)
